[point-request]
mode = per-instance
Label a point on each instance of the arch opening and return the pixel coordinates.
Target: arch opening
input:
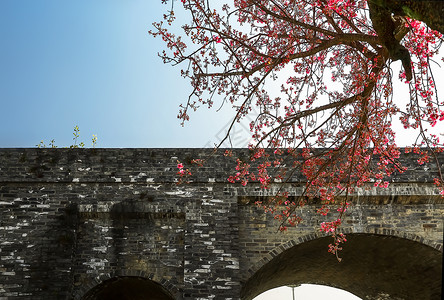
(372, 265)
(306, 291)
(128, 288)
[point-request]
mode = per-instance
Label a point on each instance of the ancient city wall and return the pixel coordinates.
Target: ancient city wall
(72, 220)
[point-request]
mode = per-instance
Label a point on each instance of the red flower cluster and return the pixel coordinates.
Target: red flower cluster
(315, 81)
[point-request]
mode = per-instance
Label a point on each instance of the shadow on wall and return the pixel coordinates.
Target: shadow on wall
(52, 252)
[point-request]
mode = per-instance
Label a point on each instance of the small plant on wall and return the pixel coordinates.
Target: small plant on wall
(76, 142)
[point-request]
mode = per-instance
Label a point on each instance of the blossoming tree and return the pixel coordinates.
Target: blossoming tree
(333, 61)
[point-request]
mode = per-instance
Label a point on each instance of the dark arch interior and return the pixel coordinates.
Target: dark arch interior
(372, 265)
(126, 288)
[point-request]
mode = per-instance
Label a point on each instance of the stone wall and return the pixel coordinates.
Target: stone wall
(71, 219)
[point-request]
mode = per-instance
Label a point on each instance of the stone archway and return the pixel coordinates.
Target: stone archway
(128, 288)
(372, 265)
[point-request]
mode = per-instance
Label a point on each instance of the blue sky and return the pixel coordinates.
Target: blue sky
(92, 64)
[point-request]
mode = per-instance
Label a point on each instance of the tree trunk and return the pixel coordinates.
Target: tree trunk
(429, 12)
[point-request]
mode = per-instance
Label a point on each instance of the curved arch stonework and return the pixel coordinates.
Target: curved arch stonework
(316, 235)
(72, 219)
(128, 288)
(411, 221)
(372, 265)
(86, 291)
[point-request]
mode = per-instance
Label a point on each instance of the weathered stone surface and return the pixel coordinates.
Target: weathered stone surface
(75, 223)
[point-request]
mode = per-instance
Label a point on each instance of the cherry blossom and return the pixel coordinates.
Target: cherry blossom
(332, 120)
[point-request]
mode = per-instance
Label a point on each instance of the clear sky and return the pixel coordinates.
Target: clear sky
(92, 64)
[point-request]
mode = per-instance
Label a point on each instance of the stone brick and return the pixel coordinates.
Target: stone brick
(72, 220)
